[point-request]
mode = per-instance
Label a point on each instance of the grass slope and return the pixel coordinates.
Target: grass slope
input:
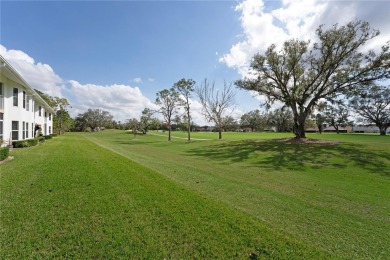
(333, 197)
(70, 198)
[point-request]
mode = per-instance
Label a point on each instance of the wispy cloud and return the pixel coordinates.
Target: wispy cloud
(137, 80)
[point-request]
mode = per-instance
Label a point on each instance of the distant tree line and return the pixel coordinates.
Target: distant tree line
(322, 83)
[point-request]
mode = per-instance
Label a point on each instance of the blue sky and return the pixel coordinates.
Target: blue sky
(87, 40)
(115, 55)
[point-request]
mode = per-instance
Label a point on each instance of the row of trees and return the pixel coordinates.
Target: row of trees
(321, 82)
(372, 107)
(94, 119)
(302, 75)
(307, 78)
(215, 103)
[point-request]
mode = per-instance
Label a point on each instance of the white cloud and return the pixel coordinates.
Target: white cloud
(39, 75)
(137, 80)
(122, 101)
(196, 113)
(199, 119)
(298, 19)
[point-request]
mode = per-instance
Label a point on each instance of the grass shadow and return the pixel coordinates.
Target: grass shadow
(297, 156)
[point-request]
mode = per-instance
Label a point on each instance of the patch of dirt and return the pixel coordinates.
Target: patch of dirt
(9, 158)
(305, 141)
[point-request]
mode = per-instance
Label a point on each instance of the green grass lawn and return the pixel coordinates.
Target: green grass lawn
(109, 195)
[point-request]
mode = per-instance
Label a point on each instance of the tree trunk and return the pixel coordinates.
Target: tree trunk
(220, 134)
(299, 129)
(169, 133)
(189, 123)
(382, 130)
(319, 128)
(189, 130)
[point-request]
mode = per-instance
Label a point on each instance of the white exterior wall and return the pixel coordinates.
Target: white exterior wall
(27, 116)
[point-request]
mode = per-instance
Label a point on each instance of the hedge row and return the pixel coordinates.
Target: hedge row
(4, 152)
(29, 142)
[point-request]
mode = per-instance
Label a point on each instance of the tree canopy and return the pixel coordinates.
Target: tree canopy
(301, 74)
(168, 100)
(253, 120)
(336, 115)
(62, 121)
(280, 119)
(94, 119)
(215, 103)
(185, 87)
(373, 104)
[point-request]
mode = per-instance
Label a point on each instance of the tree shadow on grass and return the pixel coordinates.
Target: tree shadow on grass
(275, 154)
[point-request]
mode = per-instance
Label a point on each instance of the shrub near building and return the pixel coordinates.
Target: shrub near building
(4, 152)
(29, 142)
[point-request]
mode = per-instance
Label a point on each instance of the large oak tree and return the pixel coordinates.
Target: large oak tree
(95, 119)
(373, 104)
(301, 74)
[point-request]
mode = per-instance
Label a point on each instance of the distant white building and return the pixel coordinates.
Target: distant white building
(367, 129)
(22, 110)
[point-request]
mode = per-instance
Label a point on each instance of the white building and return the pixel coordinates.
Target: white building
(22, 110)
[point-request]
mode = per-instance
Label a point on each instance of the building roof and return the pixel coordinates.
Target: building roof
(332, 128)
(9, 71)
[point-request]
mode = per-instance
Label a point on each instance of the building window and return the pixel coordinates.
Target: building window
(15, 96)
(45, 114)
(28, 103)
(40, 111)
(1, 97)
(23, 130)
(50, 116)
(24, 99)
(15, 130)
(1, 126)
(49, 130)
(26, 130)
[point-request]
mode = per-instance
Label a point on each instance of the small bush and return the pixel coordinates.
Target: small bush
(40, 139)
(4, 152)
(20, 144)
(32, 142)
(28, 142)
(47, 137)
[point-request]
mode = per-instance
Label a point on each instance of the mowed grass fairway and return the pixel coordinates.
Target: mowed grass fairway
(109, 195)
